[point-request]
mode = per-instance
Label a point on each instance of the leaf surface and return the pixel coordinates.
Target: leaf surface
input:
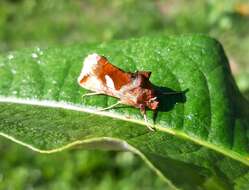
(201, 139)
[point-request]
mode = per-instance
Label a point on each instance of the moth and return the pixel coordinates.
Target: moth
(134, 89)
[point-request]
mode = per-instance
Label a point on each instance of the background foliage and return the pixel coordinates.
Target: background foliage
(43, 23)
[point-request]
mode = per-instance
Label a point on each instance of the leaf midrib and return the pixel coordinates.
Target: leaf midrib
(91, 110)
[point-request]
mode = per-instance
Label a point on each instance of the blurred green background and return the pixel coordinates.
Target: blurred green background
(44, 23)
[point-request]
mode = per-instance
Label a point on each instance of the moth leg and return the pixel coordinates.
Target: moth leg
(111, 106)
(91, 94)
(143, 112)
(147, 124)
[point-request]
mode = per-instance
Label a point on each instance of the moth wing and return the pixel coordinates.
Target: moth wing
(92, 83)
(146, 74)
(88, 77)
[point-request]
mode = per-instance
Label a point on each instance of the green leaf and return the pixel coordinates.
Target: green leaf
(201, 142)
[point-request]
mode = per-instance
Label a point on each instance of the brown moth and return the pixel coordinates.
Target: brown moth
(134, 89)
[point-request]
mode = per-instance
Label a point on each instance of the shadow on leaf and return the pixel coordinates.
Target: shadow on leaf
(168, 99)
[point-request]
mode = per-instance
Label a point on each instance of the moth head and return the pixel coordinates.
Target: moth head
(152, 103)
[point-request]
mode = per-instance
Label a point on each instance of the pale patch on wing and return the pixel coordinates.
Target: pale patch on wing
(94, 84)
(109, 82)
(87, 73)
(89, 64)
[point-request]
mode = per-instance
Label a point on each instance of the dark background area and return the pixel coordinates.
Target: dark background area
(46, 23)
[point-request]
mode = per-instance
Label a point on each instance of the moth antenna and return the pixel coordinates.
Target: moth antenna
(111, 106)
(91, 94)
(171, 93)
